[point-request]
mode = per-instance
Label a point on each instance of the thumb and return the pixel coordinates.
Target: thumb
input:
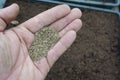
(7, 15)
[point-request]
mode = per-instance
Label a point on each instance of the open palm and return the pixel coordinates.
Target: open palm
(15, 62)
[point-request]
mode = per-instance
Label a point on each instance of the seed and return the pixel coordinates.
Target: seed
(14, 22)
(45, 39)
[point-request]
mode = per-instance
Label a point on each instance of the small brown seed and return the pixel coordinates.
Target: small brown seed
(45, 39)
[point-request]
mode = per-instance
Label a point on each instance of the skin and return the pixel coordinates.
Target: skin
(15, 62)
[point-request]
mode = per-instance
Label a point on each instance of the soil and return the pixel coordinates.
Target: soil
(95, 53)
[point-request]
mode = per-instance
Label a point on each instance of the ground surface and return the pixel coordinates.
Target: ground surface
(95, 53)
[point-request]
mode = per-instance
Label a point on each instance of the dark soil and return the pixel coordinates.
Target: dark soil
(95, 53)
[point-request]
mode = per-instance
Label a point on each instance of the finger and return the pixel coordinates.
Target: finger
(43, 66)
(75, 25)
(46, 18)
(60, 47)
(7, 15)
(60, 24)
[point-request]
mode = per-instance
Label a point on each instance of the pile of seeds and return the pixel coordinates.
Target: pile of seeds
(45, 39)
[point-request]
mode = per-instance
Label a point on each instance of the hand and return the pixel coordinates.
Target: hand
(15, 62)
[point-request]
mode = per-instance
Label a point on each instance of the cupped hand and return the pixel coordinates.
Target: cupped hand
(15, 62)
